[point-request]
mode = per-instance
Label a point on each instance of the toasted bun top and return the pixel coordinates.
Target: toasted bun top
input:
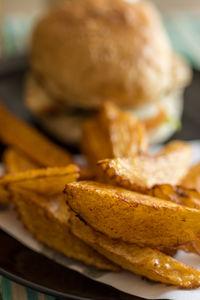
(87, 51)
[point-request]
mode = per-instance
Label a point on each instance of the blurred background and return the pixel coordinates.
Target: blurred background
(18, 18)
(181, 18)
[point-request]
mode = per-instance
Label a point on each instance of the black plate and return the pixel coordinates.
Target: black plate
(34, 270)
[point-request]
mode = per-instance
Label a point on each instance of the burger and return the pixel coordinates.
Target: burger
(84, 52)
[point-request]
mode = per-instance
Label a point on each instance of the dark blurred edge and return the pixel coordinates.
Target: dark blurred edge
(13, 64)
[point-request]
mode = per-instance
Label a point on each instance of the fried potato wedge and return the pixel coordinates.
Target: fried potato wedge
(192, 178)
(147, 262)
(15, 161)
(127, 135)
(141, 172)
(113, 133)
(132, 217)
(94, 144)
(48, 181)
(176, 193)
(14, 132)
(47, 218)
(184, 196)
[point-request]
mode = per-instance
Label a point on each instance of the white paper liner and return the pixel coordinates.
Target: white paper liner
(123, 281)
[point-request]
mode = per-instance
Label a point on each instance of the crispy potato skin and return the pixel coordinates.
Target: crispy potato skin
(192, 178)
(147, 262)
(133, 217)
(126, 134)
(141, 172)
(94, 144)
(112, 133)
(177, 194)
(14, 132)
(49, 180)
(183, 196)
(47, 218)
(16, 161)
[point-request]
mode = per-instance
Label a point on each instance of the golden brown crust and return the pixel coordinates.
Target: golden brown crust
(47, 219)
(133, 217)
(141, 172)
(16, 161)
(112, 133)
(93, 50)
(177, 194)
(49, 180)
(14, 132)
(148, 262)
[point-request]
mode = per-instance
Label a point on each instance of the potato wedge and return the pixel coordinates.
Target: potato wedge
(47, 218)
(133, 217)
(48, 181)
(112, 133)
(141, 172)
(94, 143)
(127, 135)
(192, 178)
(14, 132)
(15, 161)
(178, 194)
(184, 196)
(147, 262)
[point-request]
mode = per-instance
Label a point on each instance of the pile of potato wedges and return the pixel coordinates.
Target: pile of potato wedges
(129, 209)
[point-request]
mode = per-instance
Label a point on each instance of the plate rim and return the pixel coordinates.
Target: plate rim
(38, 287)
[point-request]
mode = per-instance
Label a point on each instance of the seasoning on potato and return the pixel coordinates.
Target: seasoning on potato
(113, 133)
(133, 217)
(141, 172)
(50, 180)
(147, 262)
